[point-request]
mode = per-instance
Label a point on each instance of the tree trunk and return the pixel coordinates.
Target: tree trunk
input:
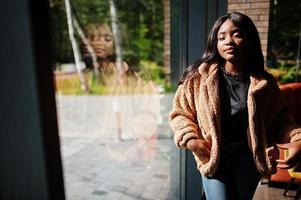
(77, 57)
(89, 47)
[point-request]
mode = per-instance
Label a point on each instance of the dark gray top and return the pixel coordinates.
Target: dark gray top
(234, 90)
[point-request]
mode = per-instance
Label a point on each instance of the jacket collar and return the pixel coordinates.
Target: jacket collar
(209, 73)
(257, 82)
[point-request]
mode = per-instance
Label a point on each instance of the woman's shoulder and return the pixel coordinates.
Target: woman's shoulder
(270, 78)
(205, 69)
(195, 74)
(192, 78)
(271, 83)
(264, 76)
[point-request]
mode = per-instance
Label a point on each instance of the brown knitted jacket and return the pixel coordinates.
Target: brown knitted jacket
(196, 114)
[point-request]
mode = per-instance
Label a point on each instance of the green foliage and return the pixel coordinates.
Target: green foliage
(91, 11)
(70, 85)
(170, 88)
(140, 22)
(287, 77)
(284, 30)
(96, 88)
(141, 28)
(141, 44)
(61, 46)
(290, 75)
(149, 71)
(154, 71)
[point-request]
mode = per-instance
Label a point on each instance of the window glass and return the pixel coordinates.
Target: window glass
(112, 81)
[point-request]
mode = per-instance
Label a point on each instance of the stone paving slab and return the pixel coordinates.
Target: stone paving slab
(94, 173)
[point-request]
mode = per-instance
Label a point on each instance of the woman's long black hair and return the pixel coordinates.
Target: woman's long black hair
(254, 57)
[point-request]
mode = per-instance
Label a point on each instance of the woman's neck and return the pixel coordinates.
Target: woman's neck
(233, 69)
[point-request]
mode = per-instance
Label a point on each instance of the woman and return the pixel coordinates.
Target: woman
(230, 113)
(100, 37)
(132, 97)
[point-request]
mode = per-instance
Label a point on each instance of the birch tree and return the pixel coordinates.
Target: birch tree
(88, 45)
(75, 48)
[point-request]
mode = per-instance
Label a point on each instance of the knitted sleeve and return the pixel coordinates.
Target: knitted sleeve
(182, 118)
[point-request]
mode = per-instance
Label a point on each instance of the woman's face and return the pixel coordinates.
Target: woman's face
(231, 43)
(102, 41)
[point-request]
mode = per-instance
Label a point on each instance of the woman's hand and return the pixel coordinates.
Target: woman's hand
(294, 152)
(200, 147)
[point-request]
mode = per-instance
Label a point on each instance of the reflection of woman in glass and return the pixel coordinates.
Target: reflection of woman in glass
(134, 101)
(100, 37)
(230, 113)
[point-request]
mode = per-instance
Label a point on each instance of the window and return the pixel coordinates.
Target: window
(113, 93)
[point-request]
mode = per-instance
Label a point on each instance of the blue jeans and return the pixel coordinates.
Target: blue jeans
(236, 177)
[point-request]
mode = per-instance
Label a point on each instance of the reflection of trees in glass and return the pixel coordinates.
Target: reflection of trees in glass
(284, 30)
(62, 50)
(141, 24)
(75, 48)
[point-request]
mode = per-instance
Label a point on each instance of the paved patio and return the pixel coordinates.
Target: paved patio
(99, 166)
(94, 169)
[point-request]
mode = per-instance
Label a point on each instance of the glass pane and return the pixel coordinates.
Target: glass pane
(111, 70)
(283, 56)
